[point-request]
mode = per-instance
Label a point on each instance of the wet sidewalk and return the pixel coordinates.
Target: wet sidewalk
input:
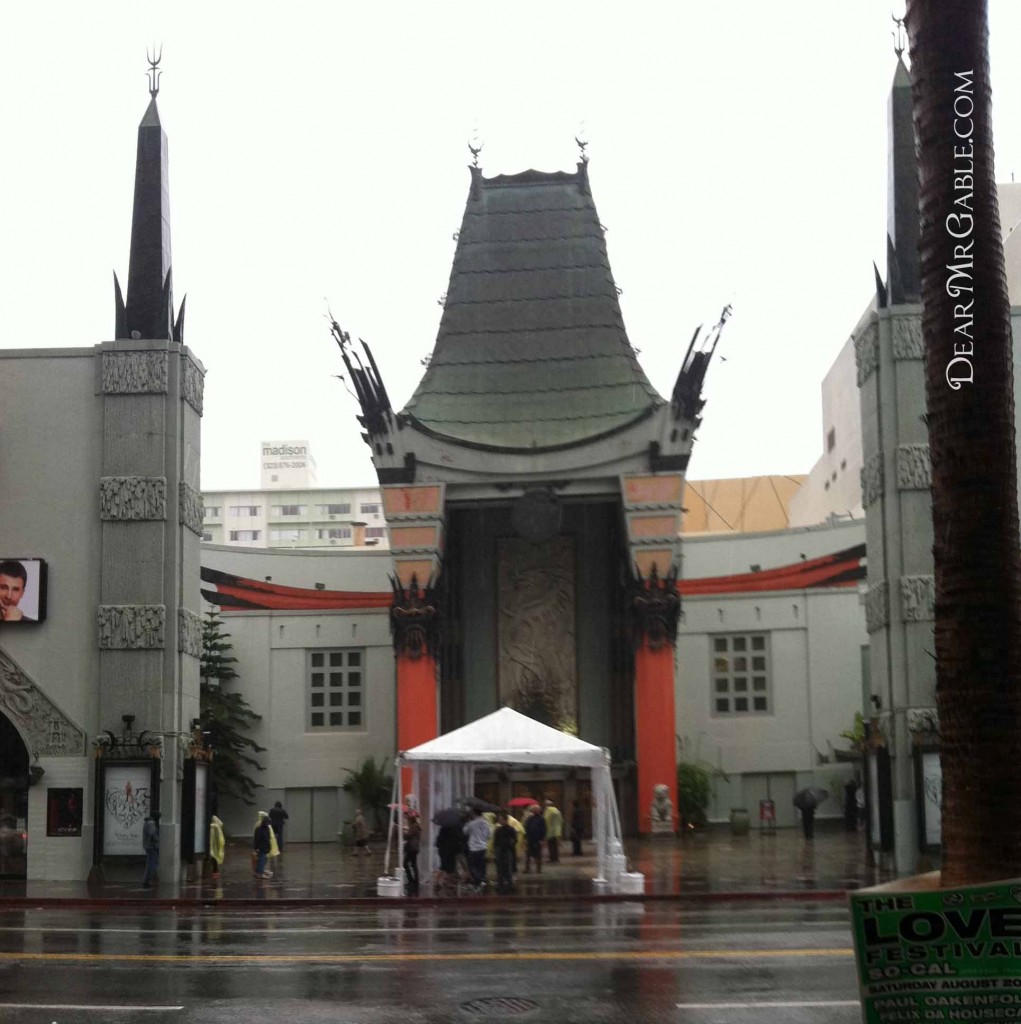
(707, 865)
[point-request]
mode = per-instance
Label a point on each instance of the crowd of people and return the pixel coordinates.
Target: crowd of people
(466, 845)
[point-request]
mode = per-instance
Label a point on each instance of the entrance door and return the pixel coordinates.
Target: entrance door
(13, 802)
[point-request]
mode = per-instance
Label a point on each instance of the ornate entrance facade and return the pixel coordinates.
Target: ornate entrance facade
(532, 487)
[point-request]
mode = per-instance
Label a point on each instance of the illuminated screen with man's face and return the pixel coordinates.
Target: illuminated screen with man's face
(22, 591)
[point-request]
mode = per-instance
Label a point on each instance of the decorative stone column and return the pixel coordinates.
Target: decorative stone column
(652, 508)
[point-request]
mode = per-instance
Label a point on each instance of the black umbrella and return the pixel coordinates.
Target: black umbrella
(809, 798)
(452, 816)
(475, 803)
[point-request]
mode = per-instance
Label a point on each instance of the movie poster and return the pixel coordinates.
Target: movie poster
(126, 794)
(22, 591)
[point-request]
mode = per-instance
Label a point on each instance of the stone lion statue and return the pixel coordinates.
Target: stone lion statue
(662, 805)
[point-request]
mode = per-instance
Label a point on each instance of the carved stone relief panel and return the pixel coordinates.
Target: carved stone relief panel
(189, 632)
(132, 497)
(918, 598)
(130, 627)
(907, 337)
(914, 468)
(50, 732)
(877, 607)
(866, 352)
(190, 508)
(135, 373)
(192, 385)
(872, 480)
(537, 664)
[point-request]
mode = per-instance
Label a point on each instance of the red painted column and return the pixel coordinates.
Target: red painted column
(655, 726)
(417, 713)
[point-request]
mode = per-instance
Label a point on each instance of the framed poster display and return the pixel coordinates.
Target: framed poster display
(929, 798)
(64, 812)
(195, 810)
(126, 792)
(22, 591)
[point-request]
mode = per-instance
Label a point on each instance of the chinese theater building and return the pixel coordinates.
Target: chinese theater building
(532, 488)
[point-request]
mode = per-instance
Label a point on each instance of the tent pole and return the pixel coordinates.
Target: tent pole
(393, 814)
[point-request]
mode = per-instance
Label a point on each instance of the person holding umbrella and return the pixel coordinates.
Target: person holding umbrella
(448, 845)
(806, 800)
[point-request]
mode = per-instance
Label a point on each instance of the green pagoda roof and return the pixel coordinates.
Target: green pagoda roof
(531, 352)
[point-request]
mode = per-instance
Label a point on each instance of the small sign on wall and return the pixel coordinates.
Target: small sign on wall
(64, 812)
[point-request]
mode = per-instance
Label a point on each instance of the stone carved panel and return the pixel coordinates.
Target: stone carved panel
(866, 353)
(135, 373)
(872, 480)
(132, 497)
(132, 627)
(538, 673)
(190, 508)
(877, 607)
(907, 337)
(50, 732)
(189, 633)
(914, 468)
(923, 723)
(918, 598)
(192, 385)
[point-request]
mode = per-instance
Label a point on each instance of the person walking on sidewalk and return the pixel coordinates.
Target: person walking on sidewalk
(477, 835)
(554, 830)
(151, 846)
(505, 839)
(361, 831)
(277, 817)
(535, 834)
(263, 842)
(217, 845)
(412, 842)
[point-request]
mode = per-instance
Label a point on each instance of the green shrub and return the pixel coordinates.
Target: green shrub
(694, 791)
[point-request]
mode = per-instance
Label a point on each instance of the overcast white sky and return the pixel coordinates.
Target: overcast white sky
(318, 151)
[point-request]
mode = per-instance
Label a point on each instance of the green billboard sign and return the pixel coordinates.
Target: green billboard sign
(939, 955)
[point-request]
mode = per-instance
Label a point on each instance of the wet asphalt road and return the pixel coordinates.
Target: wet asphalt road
(559, 964)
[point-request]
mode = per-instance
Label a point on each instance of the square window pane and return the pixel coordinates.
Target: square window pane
(759, 664)
(317, 679)
(760, 703)
(336, 718)
(741, 684)
(740, 643)
(722, 705)
(337, 700)
(740, 703)
(722, 685)
(354, 698)
(317, 660)
(720, 644)
(336, 679)
(354, 658)
(740, 664)
(336, 659)
(722, 664)
(758, 643)
(317, 699)
(759, 683)
(354, 718)
(354, 679)
(317, 718)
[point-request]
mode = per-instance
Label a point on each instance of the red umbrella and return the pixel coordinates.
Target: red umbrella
(521, 801)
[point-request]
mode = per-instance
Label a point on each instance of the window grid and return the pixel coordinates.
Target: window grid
(335, 690)
(740, 672)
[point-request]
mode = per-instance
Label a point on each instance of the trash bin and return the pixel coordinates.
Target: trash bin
(739, 821)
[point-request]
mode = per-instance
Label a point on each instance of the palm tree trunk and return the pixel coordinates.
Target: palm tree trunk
(972, 442)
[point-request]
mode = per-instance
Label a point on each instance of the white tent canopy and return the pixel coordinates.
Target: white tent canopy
(444, 768)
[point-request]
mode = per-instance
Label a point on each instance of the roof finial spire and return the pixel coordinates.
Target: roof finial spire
(898, 36)
(475, 145)
(582, 143)
(154, 73)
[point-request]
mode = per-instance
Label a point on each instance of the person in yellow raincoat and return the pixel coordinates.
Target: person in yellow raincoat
(274, 848)
(217, 845)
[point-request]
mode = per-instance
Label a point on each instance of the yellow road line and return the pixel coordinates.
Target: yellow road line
(345, 958)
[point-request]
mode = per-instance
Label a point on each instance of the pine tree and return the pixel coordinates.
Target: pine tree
(227, 717)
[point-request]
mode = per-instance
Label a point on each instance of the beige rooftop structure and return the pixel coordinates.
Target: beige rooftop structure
(748, 504)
